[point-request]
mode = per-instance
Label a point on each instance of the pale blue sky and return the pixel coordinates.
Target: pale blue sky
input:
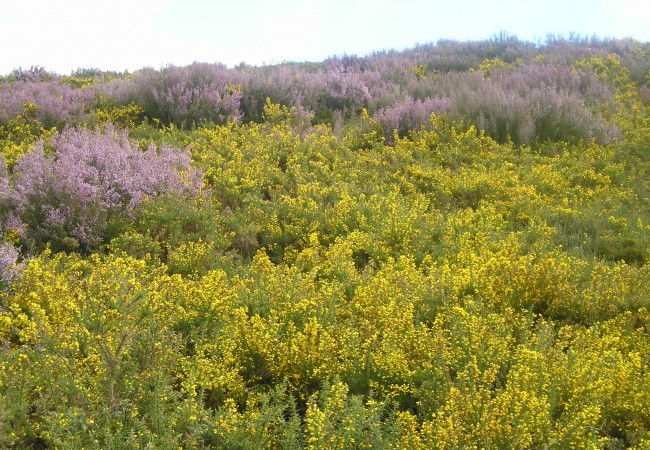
(62, 35)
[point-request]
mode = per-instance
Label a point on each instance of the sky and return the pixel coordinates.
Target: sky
(126, 35)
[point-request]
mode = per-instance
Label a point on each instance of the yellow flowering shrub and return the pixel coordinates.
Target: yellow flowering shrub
(127, 116)
(329, 291)
(18, 134)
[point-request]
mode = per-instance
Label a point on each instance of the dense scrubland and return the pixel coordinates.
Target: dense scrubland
(443, 247)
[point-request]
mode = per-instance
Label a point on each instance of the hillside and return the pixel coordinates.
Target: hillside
(445, 247)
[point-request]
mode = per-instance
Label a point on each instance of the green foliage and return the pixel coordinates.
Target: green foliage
(184, 233)
(363, 134)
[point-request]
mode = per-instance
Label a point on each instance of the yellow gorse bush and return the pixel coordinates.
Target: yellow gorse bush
(19, 134)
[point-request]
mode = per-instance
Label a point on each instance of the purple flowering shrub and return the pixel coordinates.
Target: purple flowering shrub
(341, 89)
(529, 104)
(534, 94)
(184, 96)
(284, 85)
(33, 74)
(335, 90)
(79, 196)
(536, 103)
(10, 268)
(314, 93)
(56, 104)
(9, 254)
(410, 114)
(321, 91)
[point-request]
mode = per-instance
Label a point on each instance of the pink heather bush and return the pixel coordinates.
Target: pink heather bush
(77, 195)
(57, 104)
(535, 97)
(536, 103)
(341, 89)
(185, 96)
(334, 92)
(10, 268)
(338, 86)
(286, 85)
(537, 94)
(33, 74)
(410, 114)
